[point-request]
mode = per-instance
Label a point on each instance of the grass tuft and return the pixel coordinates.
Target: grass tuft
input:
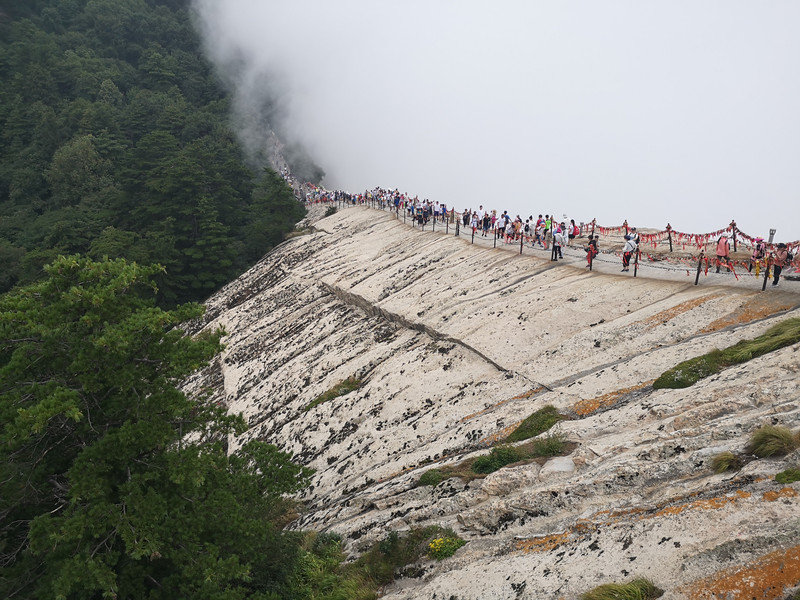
(771, 441)
(726, 461)
(690, 371)
(340, 389)
(638, 589)
(539, 422)
(549, 445)
(499, 457)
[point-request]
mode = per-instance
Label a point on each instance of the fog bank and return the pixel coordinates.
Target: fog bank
(652, 112)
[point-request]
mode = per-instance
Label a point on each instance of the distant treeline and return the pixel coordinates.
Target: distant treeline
(115, 141)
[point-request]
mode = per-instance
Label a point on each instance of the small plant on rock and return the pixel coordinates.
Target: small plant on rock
(340, 389)
(444, 547)
(498, 458)
(549, 445)
(331, 210)
(431, 477)
(771, 441)
(638, 589)
(726, 461)
(788, 476)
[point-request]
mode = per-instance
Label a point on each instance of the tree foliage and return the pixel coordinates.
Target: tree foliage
(114, 483)
(110, 121)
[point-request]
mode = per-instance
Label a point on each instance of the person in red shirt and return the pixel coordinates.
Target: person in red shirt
(781, 259)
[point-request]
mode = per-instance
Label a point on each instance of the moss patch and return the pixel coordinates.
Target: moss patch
(690, 371)
(539, 422)
(788, 476)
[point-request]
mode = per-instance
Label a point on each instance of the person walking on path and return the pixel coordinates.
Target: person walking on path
(723, 252)
(781, 258)
(631, 245)
(591, 250)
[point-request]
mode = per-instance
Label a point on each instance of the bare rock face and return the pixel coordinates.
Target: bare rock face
(454, 345)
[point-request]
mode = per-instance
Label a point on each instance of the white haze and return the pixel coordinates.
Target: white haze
(680, 111)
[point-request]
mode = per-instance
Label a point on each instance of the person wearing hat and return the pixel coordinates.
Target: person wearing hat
(759, 252)
(723, 252)
(781, 258)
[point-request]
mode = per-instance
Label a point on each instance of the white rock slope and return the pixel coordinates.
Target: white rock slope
(455, 345)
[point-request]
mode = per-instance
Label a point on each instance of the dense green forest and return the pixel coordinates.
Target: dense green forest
(115, 141)
(114, 483)
(124, 197)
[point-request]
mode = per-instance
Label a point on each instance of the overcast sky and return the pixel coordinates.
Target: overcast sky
(680, 111)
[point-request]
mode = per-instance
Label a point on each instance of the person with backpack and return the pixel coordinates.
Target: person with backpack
(574, 230)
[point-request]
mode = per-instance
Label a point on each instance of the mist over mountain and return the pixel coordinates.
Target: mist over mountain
(659, 112)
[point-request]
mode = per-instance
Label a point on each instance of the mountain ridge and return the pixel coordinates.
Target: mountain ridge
(314, 312)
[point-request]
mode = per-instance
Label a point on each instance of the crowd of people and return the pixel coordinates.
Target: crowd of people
(545, 231)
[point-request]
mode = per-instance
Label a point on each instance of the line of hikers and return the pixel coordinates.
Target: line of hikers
(545, 231)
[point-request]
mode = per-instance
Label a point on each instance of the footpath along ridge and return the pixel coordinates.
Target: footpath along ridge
(678, 267)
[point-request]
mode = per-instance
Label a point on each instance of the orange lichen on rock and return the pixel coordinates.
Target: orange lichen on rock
(667, 315)
(542, 544)
(522, 396)
(586, 407)
(758, 307)
(707, 504)
(766, 578)
(786, 492)
(500, 435)
(482, 412)
(529, 393)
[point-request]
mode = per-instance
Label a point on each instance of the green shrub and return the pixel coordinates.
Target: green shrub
(688, 372)
(549, 445)
(771, 441)
(788, 476)
(326, 544)
(431, 477)
(638, 589)
(444, 547)
(498, 458)
(381, 562)
(726, 461)
(331, 210)
(539, 422)
(319, 572)
(340, 389)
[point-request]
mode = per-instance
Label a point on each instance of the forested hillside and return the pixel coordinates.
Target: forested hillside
(114, 141)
